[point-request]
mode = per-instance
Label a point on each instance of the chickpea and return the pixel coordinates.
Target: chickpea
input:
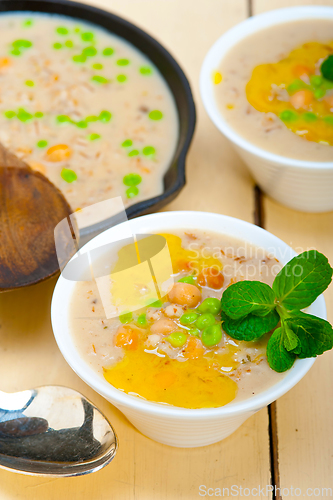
(174, 311)
(153, 340)
(301, 99)
(185, 294)
(163, 326)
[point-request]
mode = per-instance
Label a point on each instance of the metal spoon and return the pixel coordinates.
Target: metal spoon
(53, 431)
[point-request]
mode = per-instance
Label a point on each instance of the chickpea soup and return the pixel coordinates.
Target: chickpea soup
(274, 90)
(174, 351)
(85, 108)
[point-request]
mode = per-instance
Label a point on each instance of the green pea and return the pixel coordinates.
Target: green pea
(127, 143)
(82, 124)
(93, 137)
(189, 317)
(125, 317)
(42, 144)
(134, 152)
(15, 52)
(194, 331)
(319, 93)
(123, 62)
(105, 116)
(92, 118)
(77, 29)
(206, 319)
(310, 117)
(148, 150)
(69, 44)
(39, 114)
(187, 279)
(28, 23)
(29, 83)
(327, 84)
(121, 78)
(132, 179)
(89, 51)
(88, 36)
(288, 115)
(23, 115)
(316, 80)
(62, 30)
(155, 115)
(100, 79)
(154, 303)
(68, 175)
(98, 66)
(211, 335)
(132, 192)
(108, 51)
(211, 305)
(142, 320)
(10, 114)
(145, 70)
(177, 339)
(79, 58)
(22, 43)
(63, 119)
(296, 85)
(329, 120)
(57, 45)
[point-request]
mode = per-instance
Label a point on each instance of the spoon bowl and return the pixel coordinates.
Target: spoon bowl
(53, 431)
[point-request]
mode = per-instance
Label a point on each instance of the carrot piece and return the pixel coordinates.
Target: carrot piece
(212, 277)
(60, 152)
(127, 338)
(300, 70)
(5, 62)
(193, 349)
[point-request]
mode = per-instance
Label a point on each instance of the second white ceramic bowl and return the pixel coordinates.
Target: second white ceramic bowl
(167, 424)
(302, 185)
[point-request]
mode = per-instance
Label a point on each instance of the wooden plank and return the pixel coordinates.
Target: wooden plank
(217, 181)
(304, 419)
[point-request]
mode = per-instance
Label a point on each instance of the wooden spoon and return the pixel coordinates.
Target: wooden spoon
(30, 208)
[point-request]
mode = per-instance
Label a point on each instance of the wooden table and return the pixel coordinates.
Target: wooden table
(291, 443)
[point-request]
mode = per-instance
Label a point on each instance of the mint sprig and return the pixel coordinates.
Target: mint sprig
(245, 297)
(326, 68)
(249, 309)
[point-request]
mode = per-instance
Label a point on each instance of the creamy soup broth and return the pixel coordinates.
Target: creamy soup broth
(266, 130)
(242, 364)
(85, 108)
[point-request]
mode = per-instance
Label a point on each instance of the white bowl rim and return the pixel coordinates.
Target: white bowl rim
(60, 324)
(224, 44)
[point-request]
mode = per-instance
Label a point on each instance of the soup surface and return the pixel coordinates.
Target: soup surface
(270, 89)
(175, 351)
(85, 108)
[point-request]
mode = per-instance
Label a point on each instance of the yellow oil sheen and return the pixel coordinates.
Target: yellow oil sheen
(194, 383)
(300, 61)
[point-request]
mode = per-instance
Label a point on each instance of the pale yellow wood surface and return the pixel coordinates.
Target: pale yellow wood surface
(304, 415)
(29, 357)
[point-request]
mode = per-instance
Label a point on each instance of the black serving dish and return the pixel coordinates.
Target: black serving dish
(174, 179)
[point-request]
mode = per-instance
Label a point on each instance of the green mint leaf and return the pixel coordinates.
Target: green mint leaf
(251, 327)
(302, 279)
(279, 359)
(327, 68)
(315, 334)
(290, 340)
(245, 297)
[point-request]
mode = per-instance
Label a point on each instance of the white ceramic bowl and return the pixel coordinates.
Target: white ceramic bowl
(302, 185)
(167, 424)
